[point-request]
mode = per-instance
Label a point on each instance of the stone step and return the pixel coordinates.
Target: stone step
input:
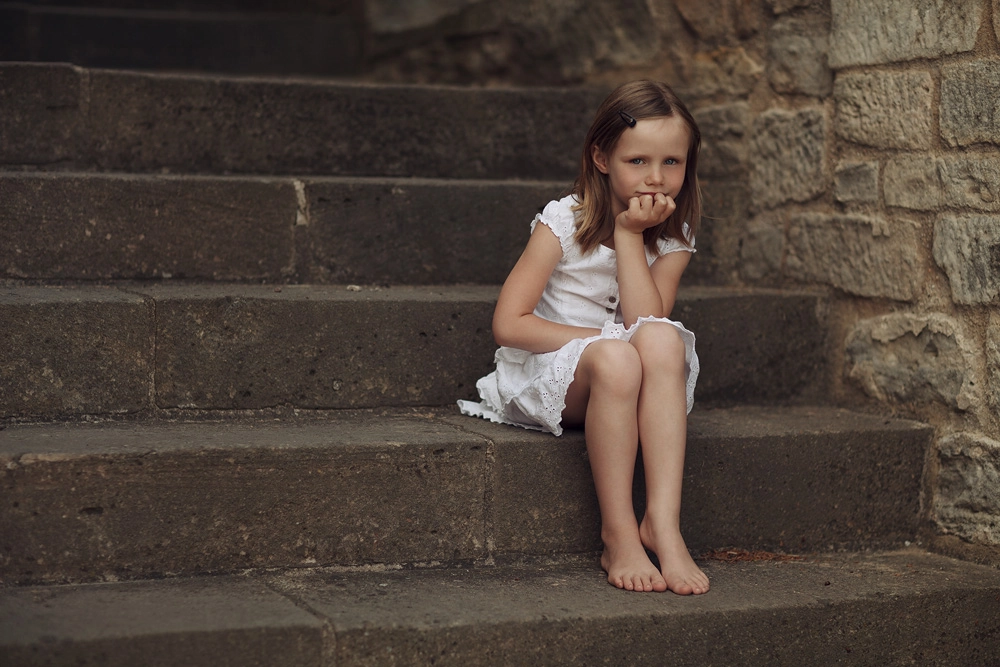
(896, 608)
(138, 348)
(87, 502)
(200, 36)
(82, 226)
(59, 116)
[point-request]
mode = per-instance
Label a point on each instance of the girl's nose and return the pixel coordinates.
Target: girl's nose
(655, 175)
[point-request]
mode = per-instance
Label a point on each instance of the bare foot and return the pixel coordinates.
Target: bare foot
(681, 574)
(629, 567)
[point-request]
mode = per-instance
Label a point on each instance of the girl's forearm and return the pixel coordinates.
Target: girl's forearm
(536, 334)
(639, 294)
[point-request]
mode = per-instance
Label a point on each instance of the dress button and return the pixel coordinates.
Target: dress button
(612, 299)
(610, 310)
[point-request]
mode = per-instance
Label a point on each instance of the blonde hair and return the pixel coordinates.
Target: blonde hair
(638, 100)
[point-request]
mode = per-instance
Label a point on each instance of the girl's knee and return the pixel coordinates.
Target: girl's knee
(614, 362)
(659, 344)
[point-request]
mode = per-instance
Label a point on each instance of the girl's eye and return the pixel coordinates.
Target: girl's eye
(636, 160)
(670, 161)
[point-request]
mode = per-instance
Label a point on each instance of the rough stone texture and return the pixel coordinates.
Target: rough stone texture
(195, 622)
(320, 347)
(926, 184)
(96, 227)
(788, 150)
(798, 57)
(726, 71)
(910, 358)
(244, 41)
(856, 182)
(993, 362)
(86, 502)
(419, 232)
(150, 122)
(763, 249)
(967, 502)
(39, 113)
(783, 6)
(862, 255)
(969, 110)
(903, 607)
(967, 247)
(885, 109)
(711, 20)
(873, 32)
(388, 17)
(723, 135)
(69, 351)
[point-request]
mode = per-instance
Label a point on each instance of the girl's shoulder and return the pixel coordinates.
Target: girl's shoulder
(668, 244)
(559, 216)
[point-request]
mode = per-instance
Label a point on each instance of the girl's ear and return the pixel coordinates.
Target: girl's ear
(600, 161)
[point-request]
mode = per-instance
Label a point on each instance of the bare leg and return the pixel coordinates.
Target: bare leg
(662, 420)
(604, 396)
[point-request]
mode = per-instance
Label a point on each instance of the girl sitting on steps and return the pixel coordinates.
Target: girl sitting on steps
(582, 321)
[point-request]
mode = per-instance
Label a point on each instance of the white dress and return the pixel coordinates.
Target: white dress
(529, 389)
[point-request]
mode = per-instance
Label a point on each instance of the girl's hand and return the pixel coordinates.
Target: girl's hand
(645, 211)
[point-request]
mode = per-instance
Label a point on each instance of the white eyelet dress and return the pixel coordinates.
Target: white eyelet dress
(529, 390)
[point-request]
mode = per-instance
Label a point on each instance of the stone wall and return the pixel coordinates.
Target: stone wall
(850, 145)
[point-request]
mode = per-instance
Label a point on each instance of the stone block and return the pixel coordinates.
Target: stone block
(142, 499)
(191, 621)
(967, 498)
(910, 358)
(74, 351)
(763, 249)
(727, 71)
(885, 109)
(993, 362)
(967, 247)
(784, 6)
(789, 156)
(320, 347)
(860, 255)
(105, 227)
(926, 184)
(420, 232)
(202, 124)
(723, 140)
(41, 111)
(969, 110)
(874, 32)
(856, 182)
(798, 57)
(711, 20)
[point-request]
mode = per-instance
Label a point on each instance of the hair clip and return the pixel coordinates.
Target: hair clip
(629, 120)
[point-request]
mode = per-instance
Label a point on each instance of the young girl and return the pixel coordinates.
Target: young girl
(582, 321)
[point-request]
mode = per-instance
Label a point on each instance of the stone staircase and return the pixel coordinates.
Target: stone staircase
(235, 315)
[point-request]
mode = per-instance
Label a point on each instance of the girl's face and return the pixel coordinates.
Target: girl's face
(649, 158)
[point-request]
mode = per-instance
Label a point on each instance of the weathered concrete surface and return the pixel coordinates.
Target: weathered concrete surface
(967, 500)
(204, 621)
(891, 609)
(105, 227)
(229, 347)
(142, 122)
(873, 32)
(224, 346)
(41, 112)
(85, 502)
(69, 351)
(75, 226)
(735, 367)
(419, 232)
(197, 37)
(89, 501)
